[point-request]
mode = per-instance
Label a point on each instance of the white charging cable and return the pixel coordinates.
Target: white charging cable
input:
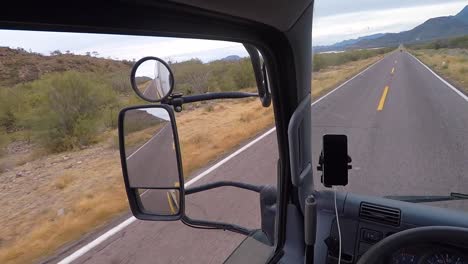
(339, 229)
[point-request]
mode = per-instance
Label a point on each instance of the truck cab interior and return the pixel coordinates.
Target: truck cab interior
(311, 223)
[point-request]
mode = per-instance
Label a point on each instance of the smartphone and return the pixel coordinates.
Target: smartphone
(335, 160)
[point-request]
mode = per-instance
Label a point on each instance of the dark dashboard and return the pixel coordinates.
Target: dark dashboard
(366, 220)
(429, 254)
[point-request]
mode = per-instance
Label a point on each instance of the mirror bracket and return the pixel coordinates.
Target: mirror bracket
(209, 186)
(260, 72)
(177, 100)
(204, 224)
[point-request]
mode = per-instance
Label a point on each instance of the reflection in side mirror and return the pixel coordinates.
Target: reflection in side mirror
(151, 163)
(152, 79)
(159, 201)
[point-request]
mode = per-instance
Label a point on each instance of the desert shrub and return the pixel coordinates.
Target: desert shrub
(457, 42)
(194, 76)
(71, 110)
(110, 116)
(460, 42)
(231, 75)
(324, 60)
(9, 108)
(3, 143)
(120, 82)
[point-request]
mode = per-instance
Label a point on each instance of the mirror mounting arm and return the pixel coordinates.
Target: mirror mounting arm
(218, 225)
(177, 100)
(245, 186)
(203, 224)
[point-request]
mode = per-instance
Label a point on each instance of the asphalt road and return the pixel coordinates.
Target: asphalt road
(151, 90)
(142, 163)
(142, 166)
(416, 143)
(407, 134)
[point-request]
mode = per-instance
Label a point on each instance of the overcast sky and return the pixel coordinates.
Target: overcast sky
(334, 20)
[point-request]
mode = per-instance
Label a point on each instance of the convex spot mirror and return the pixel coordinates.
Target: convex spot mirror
(152, 79)
(151, 162)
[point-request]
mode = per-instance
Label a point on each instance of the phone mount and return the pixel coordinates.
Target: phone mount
(334, 161)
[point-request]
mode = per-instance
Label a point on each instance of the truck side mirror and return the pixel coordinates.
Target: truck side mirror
(151, 162)
(152, 79)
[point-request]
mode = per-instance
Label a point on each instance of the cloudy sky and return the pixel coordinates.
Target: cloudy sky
(334, 20)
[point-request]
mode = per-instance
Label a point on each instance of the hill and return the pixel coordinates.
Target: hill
(463, 15)
(19, 66)
(432, 29)
(231, 58)
(343, 44)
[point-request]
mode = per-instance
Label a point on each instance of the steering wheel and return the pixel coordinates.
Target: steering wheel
(390, 244)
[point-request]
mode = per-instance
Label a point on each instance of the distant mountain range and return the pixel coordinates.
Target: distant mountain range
(346, 43)
(434, 28)
(231, 58)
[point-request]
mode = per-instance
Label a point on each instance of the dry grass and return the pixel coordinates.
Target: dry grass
(54, 210)
(136, 139)
(327, 79)
(91, 211)
(452, 64)
(63, 181)
(203, 140)
(60, 209)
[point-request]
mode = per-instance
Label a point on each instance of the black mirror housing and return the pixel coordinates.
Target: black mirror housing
(152, 79)
(151, 162)
(261, 75)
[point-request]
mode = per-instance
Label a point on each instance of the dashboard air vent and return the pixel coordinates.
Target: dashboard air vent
(380, 214)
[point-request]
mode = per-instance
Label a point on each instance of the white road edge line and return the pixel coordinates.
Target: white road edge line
(442, 79)
(83, 250)
(146, 143)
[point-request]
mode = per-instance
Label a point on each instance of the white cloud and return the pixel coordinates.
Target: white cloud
(121, 46)
(334, 20)
(333, 28)
(168, 48)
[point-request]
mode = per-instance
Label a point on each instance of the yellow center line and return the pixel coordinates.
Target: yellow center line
(382, 99)
(393, 70)
(173, 211)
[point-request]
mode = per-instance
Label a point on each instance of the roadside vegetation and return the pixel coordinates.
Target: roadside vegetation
(332, 69)
(60, 170)
(449, 58)
(194, 76)
(450, 43)
(325, 60)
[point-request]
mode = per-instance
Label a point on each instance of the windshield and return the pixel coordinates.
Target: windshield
(60, 174)
(398, 81)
